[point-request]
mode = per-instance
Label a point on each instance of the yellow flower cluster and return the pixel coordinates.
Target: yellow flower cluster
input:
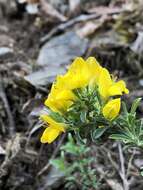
(80, 74)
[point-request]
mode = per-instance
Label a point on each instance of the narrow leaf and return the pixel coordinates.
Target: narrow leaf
(99, 132)
(135, 105)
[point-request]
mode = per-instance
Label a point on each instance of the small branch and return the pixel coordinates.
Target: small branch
(114, 164)
(130, 162)
(73, 21)
(63, 26)
(49, 10)
(7, 108)
(123, 172)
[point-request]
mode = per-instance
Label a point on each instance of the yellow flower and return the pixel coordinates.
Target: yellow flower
(94, 70)
(80, 74)
(112, 108)
(118, 88)
(108, 87)
(59, 100)
(76, 77)
(52, 131)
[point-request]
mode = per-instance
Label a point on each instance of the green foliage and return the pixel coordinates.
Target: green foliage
(85, 118)
(58, 163)
(97, 133)
(56, 116)
(129, 129)
(85, 115)
(75, 160)
(76, 163)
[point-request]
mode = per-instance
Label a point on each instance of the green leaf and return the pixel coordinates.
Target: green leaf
(83, 116)
(70, 147)
(70, 138)
(58, 163)
(141, 172)
(124, 107)
(79, 139)
(57, 117)
(135, 105)
(98, 132)
(122, 137)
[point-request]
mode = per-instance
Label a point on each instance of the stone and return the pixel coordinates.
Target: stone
(61, 50)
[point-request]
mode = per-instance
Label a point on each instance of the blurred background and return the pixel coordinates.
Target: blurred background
(38, 40)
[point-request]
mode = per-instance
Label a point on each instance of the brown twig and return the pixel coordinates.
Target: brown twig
(51, 11)
(63, 26)
(7, 108)
(123, 172)
(130, 162)
(70, 23)
(108, 153)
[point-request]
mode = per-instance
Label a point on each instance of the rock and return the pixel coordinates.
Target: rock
(54, 56)
(10, 7)
(137, 46)
(32, 8)
(5, 51)
(44, 76)
(62, 49)
(6, 40)
(141, 82)
(138, 162)
(107, 40)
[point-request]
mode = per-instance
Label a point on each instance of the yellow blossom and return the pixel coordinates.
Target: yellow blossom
(76, 77)
(59, 99)
(80, 74)
(112, 108)
(52, 131)
(94, 70)
(118, 88)
(108, 87)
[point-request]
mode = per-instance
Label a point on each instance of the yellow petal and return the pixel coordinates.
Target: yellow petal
(78, 74)
(52, 123)
(59, 99)
(112, 108)
(57, 105)
(114, 90)
(77, 66)
(94, 69)
(122, 85)
(49, 135)
(65, 95)
(118, 88)
(105, 82)
(93, 62)
(61, 82)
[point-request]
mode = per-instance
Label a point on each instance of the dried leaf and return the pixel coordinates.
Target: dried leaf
(90, 27)
(105, 10)
(51, 11)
